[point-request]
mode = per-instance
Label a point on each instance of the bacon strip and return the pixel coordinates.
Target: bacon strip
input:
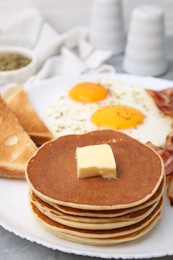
(166, 153)
(163, 100)
(170, 189)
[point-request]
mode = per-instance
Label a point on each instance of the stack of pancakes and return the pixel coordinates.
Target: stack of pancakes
(96, 210)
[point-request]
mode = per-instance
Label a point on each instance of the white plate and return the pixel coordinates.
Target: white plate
(15, 213)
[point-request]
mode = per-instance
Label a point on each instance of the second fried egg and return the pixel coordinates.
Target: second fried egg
(123, 106)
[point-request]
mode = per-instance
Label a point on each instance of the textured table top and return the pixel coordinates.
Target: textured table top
(13, 247)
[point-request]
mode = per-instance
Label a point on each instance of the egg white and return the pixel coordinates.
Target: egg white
(66, 116)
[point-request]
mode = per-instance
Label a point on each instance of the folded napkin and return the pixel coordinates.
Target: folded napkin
(69, 53)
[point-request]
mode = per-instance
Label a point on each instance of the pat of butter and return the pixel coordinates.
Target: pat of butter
(95, 160)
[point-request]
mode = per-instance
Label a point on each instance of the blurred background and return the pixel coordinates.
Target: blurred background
(66, 14)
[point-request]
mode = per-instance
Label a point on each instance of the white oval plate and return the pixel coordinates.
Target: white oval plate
(15, 213)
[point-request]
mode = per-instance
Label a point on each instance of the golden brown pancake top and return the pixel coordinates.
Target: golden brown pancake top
(52, 171)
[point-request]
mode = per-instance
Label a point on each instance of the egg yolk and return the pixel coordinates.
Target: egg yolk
(88, 92)
(117, 117)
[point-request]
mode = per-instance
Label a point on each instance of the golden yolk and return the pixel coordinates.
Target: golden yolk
(117, 117)
(88, 92)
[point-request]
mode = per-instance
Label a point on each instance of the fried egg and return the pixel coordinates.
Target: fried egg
(88, 92)
(118, 105)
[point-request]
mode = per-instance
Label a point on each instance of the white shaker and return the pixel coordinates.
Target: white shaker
(145, 50)
(106, 26)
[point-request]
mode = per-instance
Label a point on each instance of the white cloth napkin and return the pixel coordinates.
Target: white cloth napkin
(69, 53)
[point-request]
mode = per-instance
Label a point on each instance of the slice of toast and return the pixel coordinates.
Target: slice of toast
(17, 100)
(16, 147)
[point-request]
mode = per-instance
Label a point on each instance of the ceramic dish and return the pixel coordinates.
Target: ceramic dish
(158, 242)
(22, 74)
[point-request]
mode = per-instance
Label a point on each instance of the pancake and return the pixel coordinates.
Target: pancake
(100, 237)
(102, 213)
(96, 210)
(51, 173)
(94, 223)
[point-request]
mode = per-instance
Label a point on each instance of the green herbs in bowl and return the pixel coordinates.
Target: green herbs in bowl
(13, 61)
(17, 64)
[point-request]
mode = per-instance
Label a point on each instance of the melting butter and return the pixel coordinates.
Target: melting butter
(95, 160)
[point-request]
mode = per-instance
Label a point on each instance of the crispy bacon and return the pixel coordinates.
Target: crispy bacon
(170, 189)
(163, 99)
(166, 153)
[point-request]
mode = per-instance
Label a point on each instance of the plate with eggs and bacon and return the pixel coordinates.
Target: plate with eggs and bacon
(137, 106)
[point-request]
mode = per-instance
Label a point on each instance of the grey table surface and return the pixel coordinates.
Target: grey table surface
(13, 247)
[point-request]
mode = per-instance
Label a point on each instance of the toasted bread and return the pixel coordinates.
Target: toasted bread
(17, 100)
(16, 147)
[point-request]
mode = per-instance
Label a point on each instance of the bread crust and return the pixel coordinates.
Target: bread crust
(18, 101)
(12, 173)
(16, 147)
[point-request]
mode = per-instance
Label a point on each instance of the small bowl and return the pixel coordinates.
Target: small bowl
(22, 74)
